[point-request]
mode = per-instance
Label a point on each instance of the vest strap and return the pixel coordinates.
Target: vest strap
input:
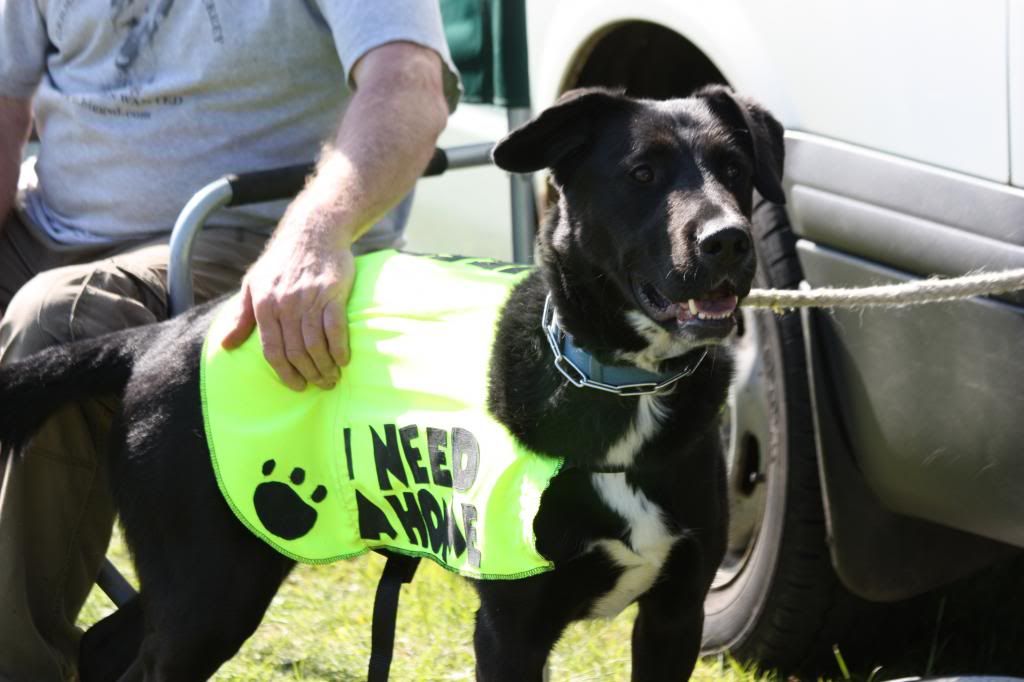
(398, 570)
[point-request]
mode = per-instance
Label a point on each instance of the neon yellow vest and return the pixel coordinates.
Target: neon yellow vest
(402, 453)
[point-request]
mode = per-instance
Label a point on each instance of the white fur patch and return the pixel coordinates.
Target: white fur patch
(661, 344)
(649, 540)
(649, 415)
(648, 548)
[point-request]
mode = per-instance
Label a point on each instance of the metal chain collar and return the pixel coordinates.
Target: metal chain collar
(579, 378)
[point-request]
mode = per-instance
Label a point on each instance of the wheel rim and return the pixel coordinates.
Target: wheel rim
(745, 434)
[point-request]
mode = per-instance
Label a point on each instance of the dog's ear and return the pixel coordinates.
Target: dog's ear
(766, 136)
(559, 130)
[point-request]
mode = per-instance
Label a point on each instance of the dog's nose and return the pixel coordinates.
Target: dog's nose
(724, 246)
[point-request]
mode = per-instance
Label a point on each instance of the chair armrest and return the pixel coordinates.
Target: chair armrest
(287, 181)
(237, 190)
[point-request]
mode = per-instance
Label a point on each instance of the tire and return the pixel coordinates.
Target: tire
(776, 600)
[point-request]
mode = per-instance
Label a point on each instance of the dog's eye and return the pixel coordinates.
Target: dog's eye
(642, 174)
(732, 171)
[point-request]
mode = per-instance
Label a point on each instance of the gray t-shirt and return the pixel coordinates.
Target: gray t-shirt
(139, 103)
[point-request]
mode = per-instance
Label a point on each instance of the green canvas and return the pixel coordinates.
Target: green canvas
(487, 39)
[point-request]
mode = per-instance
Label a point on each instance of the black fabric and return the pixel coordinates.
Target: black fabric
(398, 570)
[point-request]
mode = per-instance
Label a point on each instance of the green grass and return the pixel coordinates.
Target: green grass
(318, 628)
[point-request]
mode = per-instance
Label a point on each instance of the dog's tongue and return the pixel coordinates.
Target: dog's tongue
(718, 306)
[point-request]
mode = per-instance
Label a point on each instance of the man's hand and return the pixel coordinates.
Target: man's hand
(300, 293)
(296, 292)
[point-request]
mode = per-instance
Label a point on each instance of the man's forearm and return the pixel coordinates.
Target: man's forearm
(15, 120)
(385, 140)
(295, 294)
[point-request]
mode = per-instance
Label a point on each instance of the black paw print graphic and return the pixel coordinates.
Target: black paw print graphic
(281, 509)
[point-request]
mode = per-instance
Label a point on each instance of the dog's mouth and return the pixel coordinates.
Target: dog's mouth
(711, 313)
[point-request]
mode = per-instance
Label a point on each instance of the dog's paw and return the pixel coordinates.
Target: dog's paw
(281, 509)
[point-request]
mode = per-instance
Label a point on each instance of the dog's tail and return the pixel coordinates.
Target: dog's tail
(34, 388)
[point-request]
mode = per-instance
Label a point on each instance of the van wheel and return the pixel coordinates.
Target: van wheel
(776, 599)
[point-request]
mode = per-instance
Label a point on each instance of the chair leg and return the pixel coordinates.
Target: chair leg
(110, 646)
(114, 585)
(524, 208)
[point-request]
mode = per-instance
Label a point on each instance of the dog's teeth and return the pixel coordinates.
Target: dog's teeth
(693, 307)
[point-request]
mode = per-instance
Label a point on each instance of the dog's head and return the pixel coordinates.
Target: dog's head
(653, 215)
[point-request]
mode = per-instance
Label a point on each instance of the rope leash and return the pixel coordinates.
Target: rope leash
(890, 295)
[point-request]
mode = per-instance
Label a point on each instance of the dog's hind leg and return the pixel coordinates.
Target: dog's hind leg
(198, 614)
(506, 653)
(514, 631)
(206, 579)
(108, 648)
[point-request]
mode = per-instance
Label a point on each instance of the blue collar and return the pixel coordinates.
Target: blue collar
(595, 370)
(584, 370)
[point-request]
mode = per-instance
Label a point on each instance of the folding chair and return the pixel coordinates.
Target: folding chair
(487, 39)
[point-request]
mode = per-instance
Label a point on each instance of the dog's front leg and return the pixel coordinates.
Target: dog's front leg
(666, 645)
(670, 620)
(514, 631)
(506, 652)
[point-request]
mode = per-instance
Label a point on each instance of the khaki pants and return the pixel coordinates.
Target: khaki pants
(55, 507)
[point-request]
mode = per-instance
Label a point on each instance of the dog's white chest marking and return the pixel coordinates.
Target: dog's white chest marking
(649, 540)
(649, 415)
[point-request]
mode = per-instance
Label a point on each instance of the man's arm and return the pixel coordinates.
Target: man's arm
(15, 122)
(297, 291)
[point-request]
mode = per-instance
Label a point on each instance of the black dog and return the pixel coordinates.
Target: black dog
(645, 259)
